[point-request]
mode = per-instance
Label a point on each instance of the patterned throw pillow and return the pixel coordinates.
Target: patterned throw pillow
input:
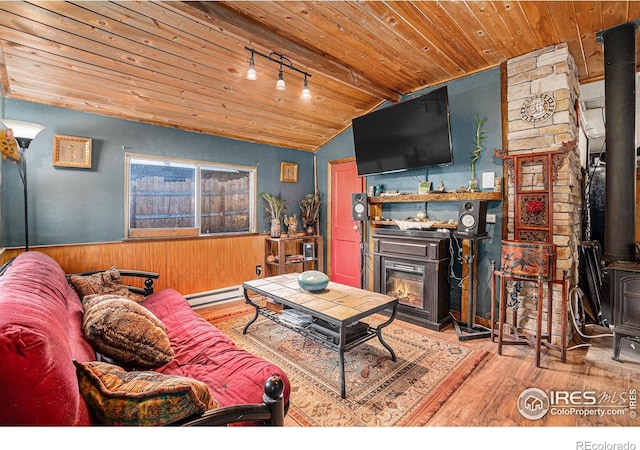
(126, 331)
(118, 397)
(107, 282)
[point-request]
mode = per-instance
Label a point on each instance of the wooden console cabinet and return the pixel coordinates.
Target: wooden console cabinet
(287, 254)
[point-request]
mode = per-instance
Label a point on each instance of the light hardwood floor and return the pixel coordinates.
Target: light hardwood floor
(488, 398)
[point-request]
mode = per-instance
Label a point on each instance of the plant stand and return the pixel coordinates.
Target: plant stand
(539, 339)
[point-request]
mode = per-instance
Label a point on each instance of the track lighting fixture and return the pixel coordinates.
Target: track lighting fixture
(282, 61)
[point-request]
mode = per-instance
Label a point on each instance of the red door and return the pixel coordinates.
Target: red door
(345, 232)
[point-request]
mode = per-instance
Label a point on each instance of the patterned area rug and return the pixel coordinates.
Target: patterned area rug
(380, 392)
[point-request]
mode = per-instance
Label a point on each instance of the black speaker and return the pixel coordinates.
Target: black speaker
(359, 206)
(308, 251)
(472, 217)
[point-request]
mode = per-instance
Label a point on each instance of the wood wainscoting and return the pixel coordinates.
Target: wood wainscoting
(186, 265)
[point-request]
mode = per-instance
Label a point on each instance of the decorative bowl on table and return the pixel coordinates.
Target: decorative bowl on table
(313, 281)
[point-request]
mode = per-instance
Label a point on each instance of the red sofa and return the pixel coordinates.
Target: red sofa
(41, 335)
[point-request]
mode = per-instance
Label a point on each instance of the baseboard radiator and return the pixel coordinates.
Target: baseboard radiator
(208, 298)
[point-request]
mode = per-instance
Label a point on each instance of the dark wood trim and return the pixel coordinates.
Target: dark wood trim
(504, 105)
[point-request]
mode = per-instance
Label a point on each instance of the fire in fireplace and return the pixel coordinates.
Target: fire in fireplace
(405, 282)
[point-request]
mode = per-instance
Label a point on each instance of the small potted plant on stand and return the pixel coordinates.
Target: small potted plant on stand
(309, 209)
(275, 209)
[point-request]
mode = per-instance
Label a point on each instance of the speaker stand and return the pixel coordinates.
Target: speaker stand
(363, 255)
(469, 330)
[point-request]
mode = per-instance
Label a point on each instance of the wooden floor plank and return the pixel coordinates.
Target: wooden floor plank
(488, 398)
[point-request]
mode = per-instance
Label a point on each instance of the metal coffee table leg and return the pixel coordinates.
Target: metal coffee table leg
(246, 296)
(341, 344)
(343, 340)
(379, 332)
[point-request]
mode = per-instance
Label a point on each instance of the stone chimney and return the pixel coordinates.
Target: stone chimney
(547, 75)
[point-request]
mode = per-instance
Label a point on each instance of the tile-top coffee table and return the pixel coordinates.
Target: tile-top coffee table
(339, 306)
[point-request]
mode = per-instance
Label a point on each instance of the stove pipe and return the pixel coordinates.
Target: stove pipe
(620, 107)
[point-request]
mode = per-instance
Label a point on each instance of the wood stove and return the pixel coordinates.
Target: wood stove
(625, 297)
(412, 266)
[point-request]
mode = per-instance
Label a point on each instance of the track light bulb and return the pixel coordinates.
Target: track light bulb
(306, 93)
(280, 83)
(251, 73)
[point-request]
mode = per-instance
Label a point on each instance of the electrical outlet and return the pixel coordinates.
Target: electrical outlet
(491, 218)
(258, 270)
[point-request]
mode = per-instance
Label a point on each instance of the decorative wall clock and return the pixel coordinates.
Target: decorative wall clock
(538, 108)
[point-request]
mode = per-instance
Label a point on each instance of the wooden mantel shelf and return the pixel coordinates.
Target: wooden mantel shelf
(436, 197)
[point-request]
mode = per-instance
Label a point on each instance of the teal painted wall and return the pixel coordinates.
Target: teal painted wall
(87, 205)
(68, 205)
(476, 94)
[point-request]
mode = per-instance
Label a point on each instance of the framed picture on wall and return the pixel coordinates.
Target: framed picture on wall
(288, 172)
(71, 151)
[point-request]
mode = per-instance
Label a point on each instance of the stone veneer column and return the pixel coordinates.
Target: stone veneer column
(551, 71)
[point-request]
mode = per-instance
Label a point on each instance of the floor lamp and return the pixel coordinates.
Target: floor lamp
(24, 133)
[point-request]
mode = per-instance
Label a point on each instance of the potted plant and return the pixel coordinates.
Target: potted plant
(275, 209)
(475, 154)
(309, 209)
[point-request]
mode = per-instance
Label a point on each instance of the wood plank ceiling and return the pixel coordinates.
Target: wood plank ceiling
(183, 64)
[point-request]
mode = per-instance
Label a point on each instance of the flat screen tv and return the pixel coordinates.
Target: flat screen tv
(408, 135)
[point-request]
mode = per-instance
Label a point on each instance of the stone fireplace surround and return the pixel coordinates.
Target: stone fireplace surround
(549, 72)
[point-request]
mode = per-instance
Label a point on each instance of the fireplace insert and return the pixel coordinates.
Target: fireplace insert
(405, 282)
